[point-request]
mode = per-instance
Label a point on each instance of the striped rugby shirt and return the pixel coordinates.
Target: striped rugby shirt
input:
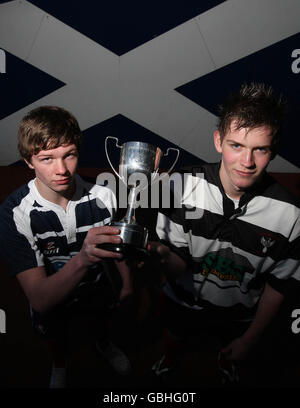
(230, 252)
(36, 232)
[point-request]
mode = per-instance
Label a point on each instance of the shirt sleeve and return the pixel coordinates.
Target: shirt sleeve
(18, 249)
(105, 203)
(287, 269)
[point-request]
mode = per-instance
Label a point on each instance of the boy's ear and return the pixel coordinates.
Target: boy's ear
(29, 164)
(218, 141)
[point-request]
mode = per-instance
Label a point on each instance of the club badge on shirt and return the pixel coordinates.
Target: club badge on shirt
(266, 242)
(50, 249)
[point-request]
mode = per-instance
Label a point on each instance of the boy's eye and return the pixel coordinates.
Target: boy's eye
(71, 155)
(261, 149)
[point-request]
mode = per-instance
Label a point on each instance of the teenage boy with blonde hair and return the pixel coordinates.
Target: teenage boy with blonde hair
(51, 231)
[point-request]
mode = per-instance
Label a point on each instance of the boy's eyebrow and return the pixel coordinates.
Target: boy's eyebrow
(241, 144)
(50, 154)
(43, 155)
(71, 151)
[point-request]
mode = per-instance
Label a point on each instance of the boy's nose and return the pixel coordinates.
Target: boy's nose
(247, 158)
(61, 168)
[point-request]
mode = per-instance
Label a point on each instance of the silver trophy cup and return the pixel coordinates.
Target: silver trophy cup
(136, 158)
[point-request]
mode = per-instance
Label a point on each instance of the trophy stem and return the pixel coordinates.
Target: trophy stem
(130, 213)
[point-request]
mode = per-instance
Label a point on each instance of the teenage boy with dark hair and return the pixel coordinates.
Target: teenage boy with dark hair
(228, 266)
(50, 232)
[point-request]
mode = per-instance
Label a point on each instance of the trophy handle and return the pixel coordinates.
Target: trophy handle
(173, 165)
(171, 168)
(107, 156)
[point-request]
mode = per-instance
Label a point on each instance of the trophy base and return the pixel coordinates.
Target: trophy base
(134, 241)
(129, 251)
(132, 234)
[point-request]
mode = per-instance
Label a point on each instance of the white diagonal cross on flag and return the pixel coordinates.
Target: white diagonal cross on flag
(140, 84)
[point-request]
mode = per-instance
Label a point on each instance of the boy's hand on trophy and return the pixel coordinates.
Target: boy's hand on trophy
(93, 251)
(159, 251)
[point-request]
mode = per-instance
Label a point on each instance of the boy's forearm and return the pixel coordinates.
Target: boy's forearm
(174, 266)
(268, 307)
(52, 290)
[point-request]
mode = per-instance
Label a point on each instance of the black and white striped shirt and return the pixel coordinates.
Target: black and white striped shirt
(231, 251)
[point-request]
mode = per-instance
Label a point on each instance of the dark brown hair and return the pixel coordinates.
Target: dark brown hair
(47, 127)
(254, 105)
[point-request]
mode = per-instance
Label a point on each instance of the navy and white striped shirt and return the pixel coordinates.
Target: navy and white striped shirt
(36, 232)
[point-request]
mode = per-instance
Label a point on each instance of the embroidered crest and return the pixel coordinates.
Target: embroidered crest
(266, 242)
(50, 249)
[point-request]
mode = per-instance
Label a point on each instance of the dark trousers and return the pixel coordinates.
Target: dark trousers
(263, 366)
